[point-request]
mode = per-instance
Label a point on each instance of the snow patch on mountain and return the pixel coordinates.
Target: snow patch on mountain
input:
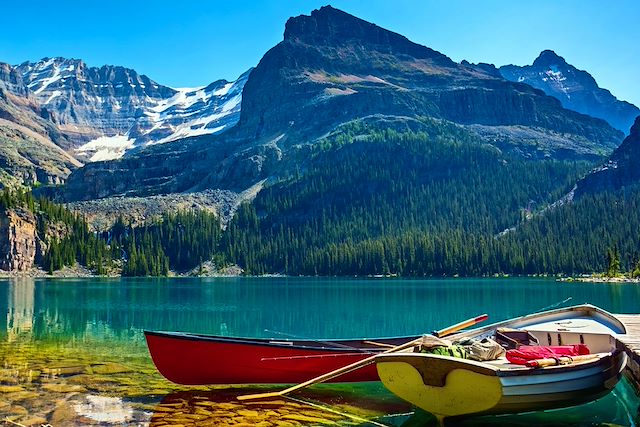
(54, 94)
(555, 73)
(189, 130)
(184, 98)
(556, 78)
(223, 90)
(196, 111)
(106, 147)
(52, 71)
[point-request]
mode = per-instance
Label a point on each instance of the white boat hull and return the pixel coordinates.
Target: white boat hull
(447, 386)
(568, 388)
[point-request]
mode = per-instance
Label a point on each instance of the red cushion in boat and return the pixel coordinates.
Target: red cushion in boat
(529, 352)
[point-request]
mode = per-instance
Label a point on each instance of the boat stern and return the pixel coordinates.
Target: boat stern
(444, 386)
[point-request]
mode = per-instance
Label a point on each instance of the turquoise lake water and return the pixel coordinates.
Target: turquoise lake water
(100, 322)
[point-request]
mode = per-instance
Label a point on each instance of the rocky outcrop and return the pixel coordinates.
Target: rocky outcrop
(576, 89)
(620, 171)
(19, 243)
(11, 80)
(89, 102)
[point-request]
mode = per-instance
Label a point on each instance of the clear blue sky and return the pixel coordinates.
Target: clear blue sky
(190, 43)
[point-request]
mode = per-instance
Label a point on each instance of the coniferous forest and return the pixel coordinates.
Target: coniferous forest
(433, 202)
(429, 201)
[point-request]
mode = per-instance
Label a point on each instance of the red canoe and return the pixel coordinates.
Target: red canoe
(194, 359)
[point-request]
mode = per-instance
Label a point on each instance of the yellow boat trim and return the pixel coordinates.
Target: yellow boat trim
(464, 392)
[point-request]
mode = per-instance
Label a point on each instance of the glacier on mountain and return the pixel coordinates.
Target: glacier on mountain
(107, 111)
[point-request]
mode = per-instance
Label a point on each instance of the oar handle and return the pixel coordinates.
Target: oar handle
(458, 326)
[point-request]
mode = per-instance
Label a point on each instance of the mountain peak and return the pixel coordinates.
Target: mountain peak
(331, 27)
(49, 61)
(328, 23)
(547, 58)
(576, 89)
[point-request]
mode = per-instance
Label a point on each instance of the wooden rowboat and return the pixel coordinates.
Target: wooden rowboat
(194, 359)
(448, 386)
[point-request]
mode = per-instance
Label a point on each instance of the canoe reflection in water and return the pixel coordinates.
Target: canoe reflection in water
(332, 405)
(221, 407)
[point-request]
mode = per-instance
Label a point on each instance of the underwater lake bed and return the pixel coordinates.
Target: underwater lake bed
(72, 351)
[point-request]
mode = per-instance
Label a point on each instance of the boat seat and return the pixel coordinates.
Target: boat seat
(503, 363)
(510, 338)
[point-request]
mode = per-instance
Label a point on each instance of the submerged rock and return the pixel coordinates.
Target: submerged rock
(10, 388)
(109, 368)
(64, 388)
(63, 414)
(105, 409)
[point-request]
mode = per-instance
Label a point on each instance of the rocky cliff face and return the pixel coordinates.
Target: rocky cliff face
(576, 89)
(11, 80)
(88, 102)
(19, 243)
(30, 149)
(57, 113)
(620, 171)
(330, 68)
(103, 112)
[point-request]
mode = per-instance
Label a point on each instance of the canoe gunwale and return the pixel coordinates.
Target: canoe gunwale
(349, 345)
(340, 345)
(526, 320)
(495, 370)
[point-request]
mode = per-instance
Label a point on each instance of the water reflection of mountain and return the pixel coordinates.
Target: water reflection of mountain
(20, 301)
(333, 308)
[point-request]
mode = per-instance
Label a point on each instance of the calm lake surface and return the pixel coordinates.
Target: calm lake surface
(72, 351)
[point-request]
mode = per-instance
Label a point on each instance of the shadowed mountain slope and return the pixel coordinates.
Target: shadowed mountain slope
(331, 68)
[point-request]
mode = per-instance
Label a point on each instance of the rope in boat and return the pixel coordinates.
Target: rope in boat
(312, 356)
(360, 350)
(549, 307)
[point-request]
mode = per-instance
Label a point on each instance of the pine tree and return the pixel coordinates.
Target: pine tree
(613, 262)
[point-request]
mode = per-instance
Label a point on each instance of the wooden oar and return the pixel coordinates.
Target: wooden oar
(364, 362)
(379, 344)
(560, 360)
(458, 326)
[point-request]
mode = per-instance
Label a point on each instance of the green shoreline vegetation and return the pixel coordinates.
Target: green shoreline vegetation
(448, 205)
(170, 245)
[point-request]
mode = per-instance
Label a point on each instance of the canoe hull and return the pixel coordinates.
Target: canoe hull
(191, 359)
